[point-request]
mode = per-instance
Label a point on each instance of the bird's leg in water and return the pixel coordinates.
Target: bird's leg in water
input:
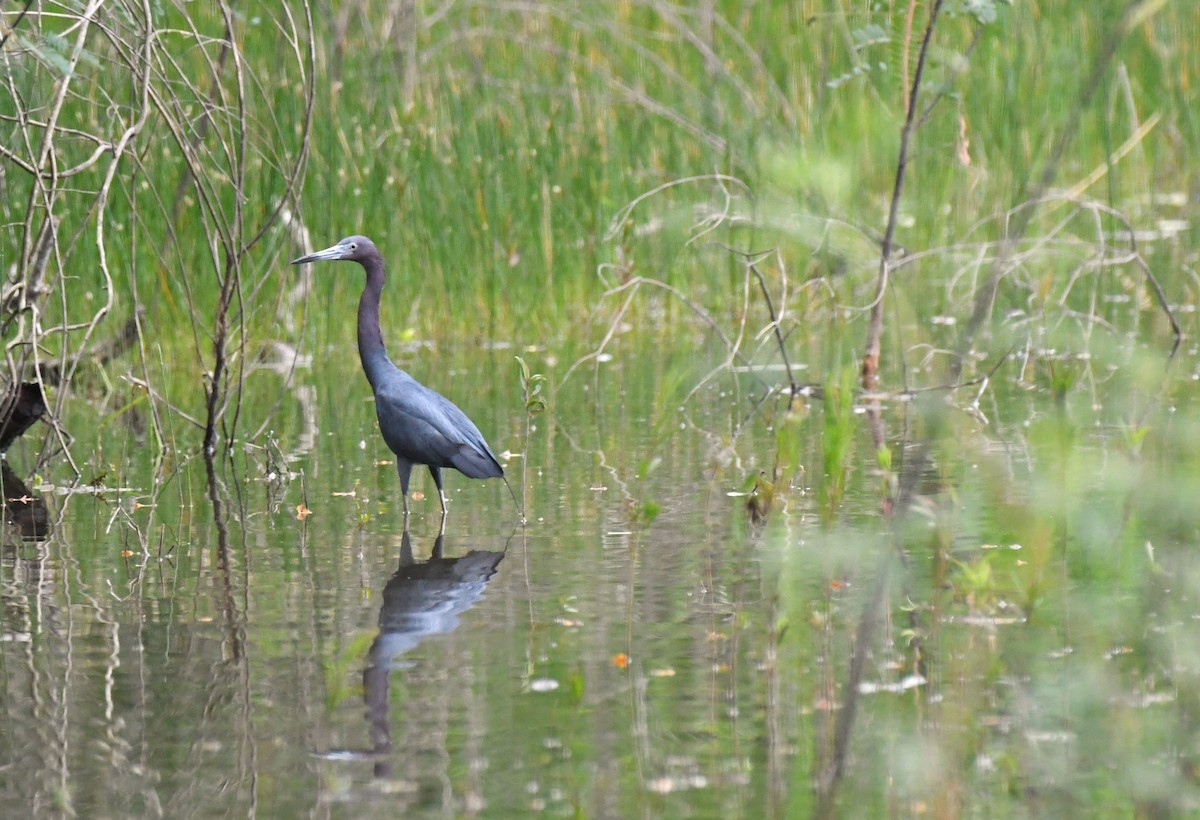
(404, 468)
(436, 472)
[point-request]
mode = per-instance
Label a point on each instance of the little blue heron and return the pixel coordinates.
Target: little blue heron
(419, 425)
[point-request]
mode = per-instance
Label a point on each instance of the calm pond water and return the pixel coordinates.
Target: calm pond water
(267, 640)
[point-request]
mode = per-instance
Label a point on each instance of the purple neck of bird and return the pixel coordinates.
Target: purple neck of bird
(370, 338)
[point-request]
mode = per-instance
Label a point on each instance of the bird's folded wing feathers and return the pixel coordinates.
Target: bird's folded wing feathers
(473, 463)
(435, 428)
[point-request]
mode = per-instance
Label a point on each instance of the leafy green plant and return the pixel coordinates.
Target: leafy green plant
(531, 390)
(760, 498)
(535, 404)
(838, 430)
(645, 509)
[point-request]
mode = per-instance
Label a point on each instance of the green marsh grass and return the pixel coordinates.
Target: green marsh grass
(489, 169)
(1048, 573)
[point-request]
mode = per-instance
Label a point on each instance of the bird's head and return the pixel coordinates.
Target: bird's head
(352, 249)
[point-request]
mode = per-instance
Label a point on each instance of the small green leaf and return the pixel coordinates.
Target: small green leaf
(576, 685)
(650, 511)
(648, 467)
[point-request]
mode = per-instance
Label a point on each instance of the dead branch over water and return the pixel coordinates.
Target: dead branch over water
(870, 365)
(99, 135)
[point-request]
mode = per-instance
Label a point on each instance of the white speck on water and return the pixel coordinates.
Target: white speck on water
(666, 785)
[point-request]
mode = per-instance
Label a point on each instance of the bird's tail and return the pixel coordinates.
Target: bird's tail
(473, 463)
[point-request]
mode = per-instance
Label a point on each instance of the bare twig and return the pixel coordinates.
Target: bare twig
(870, 363)
(762, 284)
(985, 297)
(114, 155)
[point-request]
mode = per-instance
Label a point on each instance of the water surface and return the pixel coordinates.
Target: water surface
(266, 638)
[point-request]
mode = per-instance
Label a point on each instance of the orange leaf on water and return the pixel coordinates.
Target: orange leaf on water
(302, 512)
(620, 660)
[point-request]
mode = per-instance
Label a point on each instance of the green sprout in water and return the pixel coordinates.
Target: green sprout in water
(535, 405)
(838, 443)
(531, 389)
(645, 511)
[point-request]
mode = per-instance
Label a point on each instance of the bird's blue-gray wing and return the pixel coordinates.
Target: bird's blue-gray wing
(425, 427)
(473, 457)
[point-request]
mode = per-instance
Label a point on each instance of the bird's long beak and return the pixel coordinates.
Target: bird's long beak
(336, 252)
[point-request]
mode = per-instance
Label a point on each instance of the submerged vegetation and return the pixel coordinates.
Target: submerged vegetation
(887, 307)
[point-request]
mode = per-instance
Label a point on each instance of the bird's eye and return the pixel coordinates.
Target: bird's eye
(353, 246)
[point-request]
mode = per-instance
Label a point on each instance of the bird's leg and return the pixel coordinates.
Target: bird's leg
(404, 468)
(436, 472)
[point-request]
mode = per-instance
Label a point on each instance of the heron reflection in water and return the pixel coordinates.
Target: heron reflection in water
(420, 599)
